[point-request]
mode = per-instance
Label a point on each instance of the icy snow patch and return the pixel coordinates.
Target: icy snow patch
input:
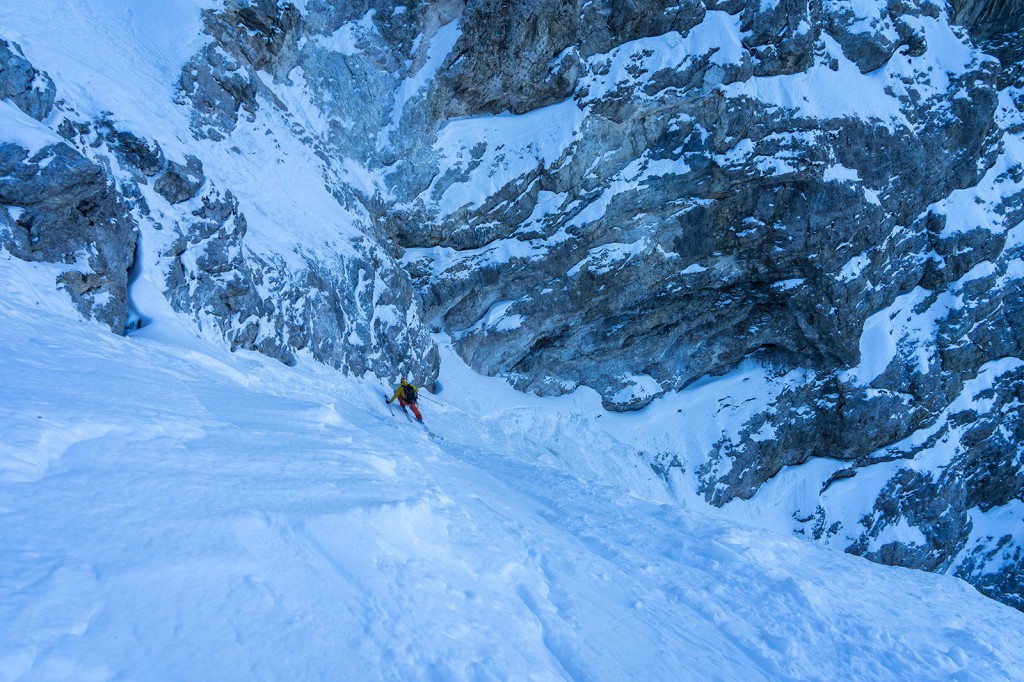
(978, 207)
(640, 386)
(854, 267)
(607, 257)
(512, 145)
(497, 319)
(840, 173)
(719, 32)
(901, 532)
(345, 40)
(993, 525)
(823, 93)
(109, 56)
(440, 45)
(901, 324)
(18, 127)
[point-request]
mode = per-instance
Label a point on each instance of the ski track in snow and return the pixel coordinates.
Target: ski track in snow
(175, 512)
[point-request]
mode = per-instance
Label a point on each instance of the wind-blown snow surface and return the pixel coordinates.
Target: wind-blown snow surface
(172, 511)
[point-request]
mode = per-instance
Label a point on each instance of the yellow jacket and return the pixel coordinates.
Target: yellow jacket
(400, 393)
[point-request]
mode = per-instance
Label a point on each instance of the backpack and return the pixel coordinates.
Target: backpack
(410, 393)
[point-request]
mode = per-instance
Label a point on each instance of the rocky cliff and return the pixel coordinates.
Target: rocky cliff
(78, 189)
(631, 196)
(673, 189)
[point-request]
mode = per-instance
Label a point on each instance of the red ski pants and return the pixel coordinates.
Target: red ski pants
(415, 410)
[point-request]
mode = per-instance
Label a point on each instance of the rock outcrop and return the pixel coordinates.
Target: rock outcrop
(30, 90)
(58, 206)
(678, 223)
(79, 201)
(986, 19)
(67, 213)
(354, 308)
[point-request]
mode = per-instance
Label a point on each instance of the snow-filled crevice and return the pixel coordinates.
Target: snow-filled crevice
(134, 320)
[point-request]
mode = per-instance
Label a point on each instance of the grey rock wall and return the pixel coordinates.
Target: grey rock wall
(221, 83)
(79, 203)
(30, 90)
(988, 18)
(69, 214)
(333, 310)
(693, 222)
(748, 229)
(59, 207)
(357, 311)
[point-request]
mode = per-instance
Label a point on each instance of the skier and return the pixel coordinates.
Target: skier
(406, 394)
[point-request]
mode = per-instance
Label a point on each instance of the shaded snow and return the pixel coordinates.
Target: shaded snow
(23, 130)
(823, 93)
(638, 387)
(345, 40)
(108, 56)
(173, 511)
(494, 150)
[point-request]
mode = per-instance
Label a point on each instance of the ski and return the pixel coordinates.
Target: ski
(410, 418)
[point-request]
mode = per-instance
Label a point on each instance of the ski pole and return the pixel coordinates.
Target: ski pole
(428, 399)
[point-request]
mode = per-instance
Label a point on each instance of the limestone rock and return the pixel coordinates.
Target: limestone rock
(986, 18)
(221, 81)
(349, 313)
(30, 90)
(716, 247)
(68, 213)
(180, 183)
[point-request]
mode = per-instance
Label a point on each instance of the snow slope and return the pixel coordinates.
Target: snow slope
(171, 511)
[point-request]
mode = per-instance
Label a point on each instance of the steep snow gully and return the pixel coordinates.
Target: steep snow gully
(173, 511)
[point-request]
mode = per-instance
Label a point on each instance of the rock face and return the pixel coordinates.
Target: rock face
(59, 206)
(68, 214)
(180, 183)
(79, 201)
(632, 196)
(989, 18)
(222, 82)
(693, 221)
(334, 309)
(31, 91)
(356, 308)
